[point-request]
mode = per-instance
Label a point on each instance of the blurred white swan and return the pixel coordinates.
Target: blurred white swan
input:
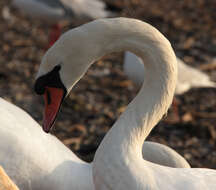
(119, 163)
(53, 11)
(188, 77)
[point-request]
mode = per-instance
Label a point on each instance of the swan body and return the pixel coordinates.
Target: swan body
(118, 162)
(188, 77)
(5, 182)
(35, 160)
(38, 161)
(56, 10)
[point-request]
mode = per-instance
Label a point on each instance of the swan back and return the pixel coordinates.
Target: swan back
(163, 155)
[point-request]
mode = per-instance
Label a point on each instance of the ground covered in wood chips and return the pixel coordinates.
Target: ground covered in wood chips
(98, 99)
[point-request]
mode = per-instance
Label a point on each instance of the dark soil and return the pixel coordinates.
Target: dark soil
(99, 98)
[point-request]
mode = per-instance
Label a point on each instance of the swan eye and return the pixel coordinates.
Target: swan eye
(51, 79)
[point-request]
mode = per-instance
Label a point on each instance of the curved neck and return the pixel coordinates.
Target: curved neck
(122, 146)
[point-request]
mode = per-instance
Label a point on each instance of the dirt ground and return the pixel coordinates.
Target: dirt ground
(98, 99)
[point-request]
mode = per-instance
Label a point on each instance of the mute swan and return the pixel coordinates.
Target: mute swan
(188, 77)
(118, 162)
(5, 182)
(53, 11)
(38, 161)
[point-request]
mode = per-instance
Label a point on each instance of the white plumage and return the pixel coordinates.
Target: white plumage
(38, 161)
(119, 163)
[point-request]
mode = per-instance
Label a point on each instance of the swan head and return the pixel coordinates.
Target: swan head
(61, 67)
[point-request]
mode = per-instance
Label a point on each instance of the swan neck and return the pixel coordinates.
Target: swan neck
(123, 143)
(156, 93)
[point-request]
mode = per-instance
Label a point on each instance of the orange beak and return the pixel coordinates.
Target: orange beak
(53, 98)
